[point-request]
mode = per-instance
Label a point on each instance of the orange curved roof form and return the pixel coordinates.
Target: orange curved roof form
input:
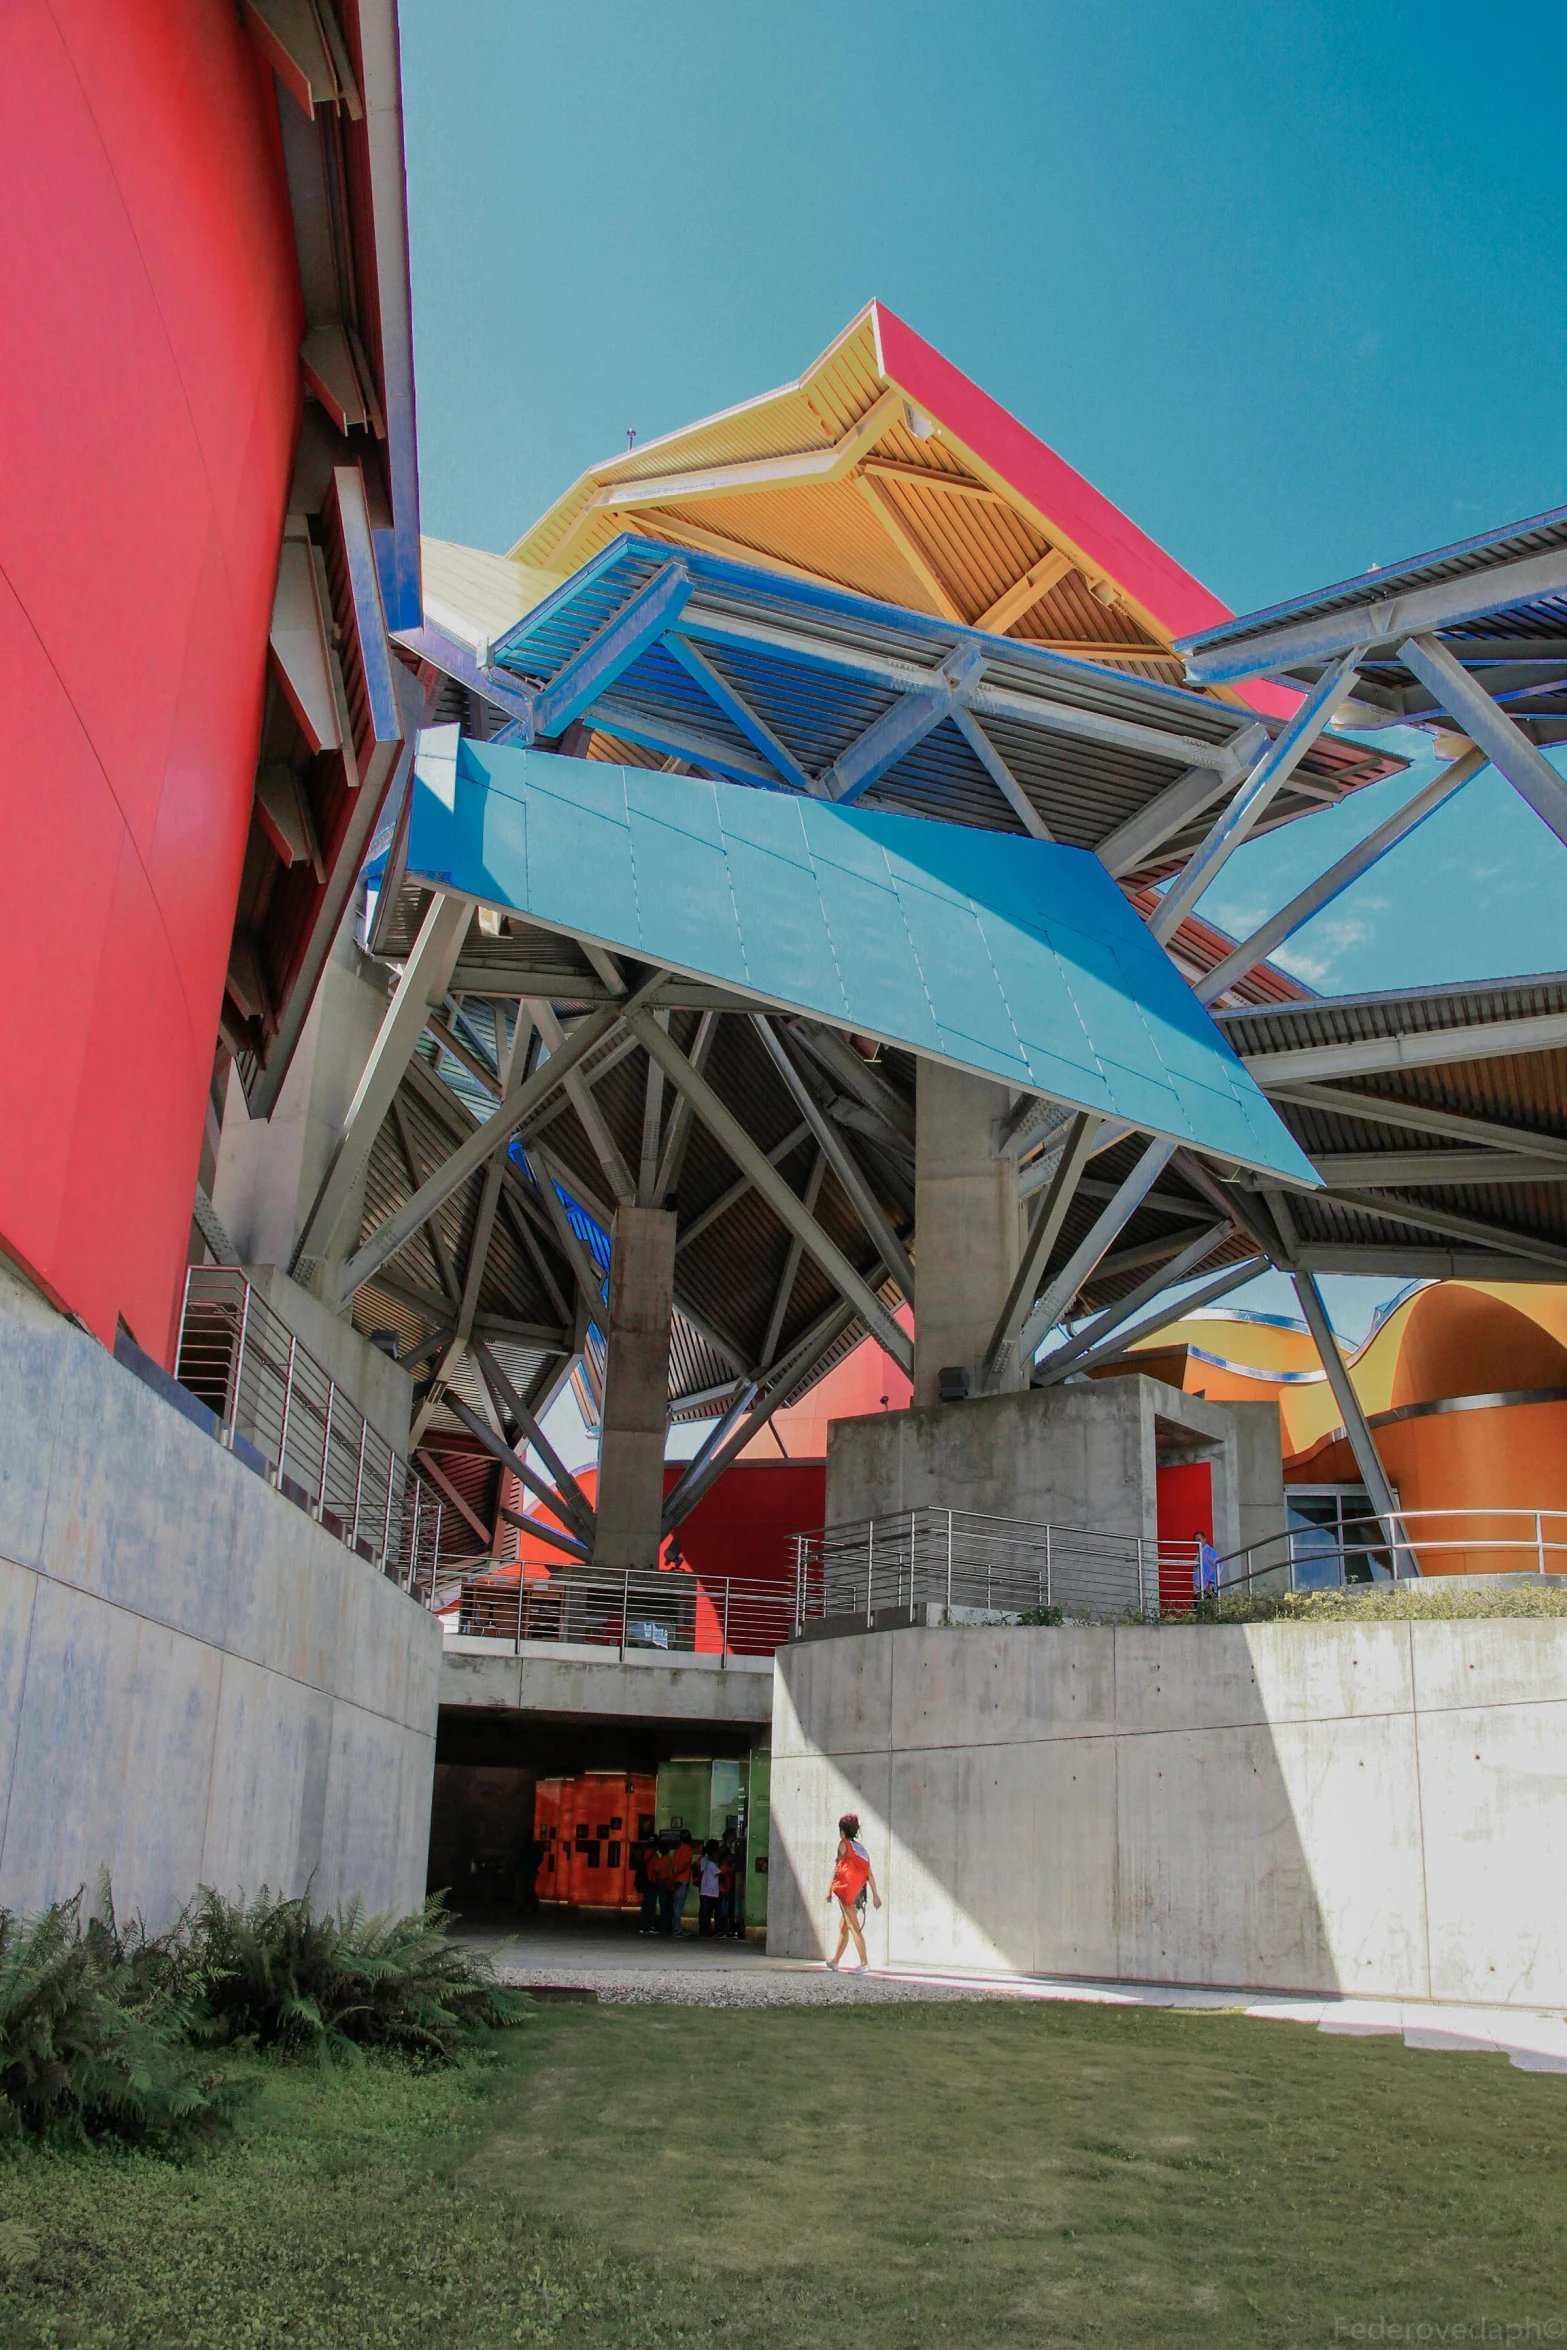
(1464, 1385)
(884, 469)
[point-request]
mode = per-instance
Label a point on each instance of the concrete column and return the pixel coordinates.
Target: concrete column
(967, 1224)
(630, 1496)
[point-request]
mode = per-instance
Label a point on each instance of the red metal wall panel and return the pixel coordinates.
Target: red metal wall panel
(148, 405)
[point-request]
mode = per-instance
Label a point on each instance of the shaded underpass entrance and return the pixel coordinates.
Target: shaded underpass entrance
(552, 1817)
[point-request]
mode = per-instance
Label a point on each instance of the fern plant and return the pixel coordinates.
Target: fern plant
(91, 2042)
(278, 1973)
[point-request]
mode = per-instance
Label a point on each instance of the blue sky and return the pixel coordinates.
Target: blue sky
(1289, 283)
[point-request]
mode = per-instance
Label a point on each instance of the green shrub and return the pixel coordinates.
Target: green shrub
(1042, 1615)
(93, 2042)
(1410, 1601)
(275, 1972)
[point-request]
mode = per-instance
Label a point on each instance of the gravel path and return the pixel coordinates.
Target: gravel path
(745, 1986)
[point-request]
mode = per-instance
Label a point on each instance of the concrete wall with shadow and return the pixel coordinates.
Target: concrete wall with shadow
(198, 1684)
(1377, 1809)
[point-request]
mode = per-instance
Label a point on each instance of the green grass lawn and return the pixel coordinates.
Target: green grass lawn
(995, 2175)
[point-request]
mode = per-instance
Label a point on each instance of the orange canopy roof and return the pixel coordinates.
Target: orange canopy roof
(886, 470)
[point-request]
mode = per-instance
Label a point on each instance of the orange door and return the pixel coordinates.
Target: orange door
(547, 1808)
(597, 1840)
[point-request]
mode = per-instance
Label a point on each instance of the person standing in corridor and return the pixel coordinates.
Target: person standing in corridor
(681, 1861)
(851, 1878)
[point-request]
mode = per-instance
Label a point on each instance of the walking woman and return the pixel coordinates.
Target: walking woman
(851, 1876)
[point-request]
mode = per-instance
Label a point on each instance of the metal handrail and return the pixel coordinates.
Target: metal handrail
(657, 1611)
(1403, 1548)
(276, 1406)
(976, 1564)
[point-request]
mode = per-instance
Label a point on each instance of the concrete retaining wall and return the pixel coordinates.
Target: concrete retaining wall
(1368, 1808)
(197, 1684)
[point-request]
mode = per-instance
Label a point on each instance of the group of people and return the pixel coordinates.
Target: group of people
(665, 1870)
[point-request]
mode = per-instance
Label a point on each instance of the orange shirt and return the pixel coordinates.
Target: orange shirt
(680, 1865)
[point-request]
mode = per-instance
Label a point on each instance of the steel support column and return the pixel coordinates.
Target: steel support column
(1361, 1441)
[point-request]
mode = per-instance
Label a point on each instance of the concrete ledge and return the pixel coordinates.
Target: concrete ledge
(550, 1677)
(598, 1652)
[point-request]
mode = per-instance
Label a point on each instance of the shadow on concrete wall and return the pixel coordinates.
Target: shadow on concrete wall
(1179, 1805)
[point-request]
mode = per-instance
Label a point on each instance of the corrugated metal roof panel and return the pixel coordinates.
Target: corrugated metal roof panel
(1392, 1012)
(1466, 558)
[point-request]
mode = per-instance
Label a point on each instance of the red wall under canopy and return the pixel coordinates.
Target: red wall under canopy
(148, 406)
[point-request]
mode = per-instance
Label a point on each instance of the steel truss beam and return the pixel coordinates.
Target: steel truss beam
(1504, 743)
(1043, 1231)
(622, 1183)
(1362, 1443)
(719, 1434)
(1165, 1275)
(1277, 763)
(425, 978)
(1420, 1120)
(738, 711)
(857, 1076)
(1135, 841)
(1486, 1040)
(430, 1467)
(495, 1133)
(1116, 1346)
(1497, 1236)
(800, 1364)
(840, 1158)
(994, 701)
(564, 1493)
(790, 1273)
(678, 1132)
(1371, 1170)
(999, 772)
(910, 719)
(738, 1189)
(1110, 1220)
(513, 1460)
(1419, 1264)
(537, 1335)
(523, 1211)
(747, 1155)
(1416, 612)
(593, 670)
(1338, 877)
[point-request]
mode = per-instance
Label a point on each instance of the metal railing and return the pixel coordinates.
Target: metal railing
(969, 1566)
(967, 1563)
(278, 1408)
(660, 1611)
(1407, 1543)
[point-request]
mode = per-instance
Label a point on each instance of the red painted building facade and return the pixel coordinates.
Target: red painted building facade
(155, 284)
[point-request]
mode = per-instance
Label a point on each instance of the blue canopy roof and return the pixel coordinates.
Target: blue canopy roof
(1015, 958)
(787, 684)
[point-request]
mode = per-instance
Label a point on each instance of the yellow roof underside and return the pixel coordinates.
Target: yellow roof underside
(885, 526)
(476, 596)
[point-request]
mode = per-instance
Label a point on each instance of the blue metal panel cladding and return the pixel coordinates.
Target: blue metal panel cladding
(1016, 958)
